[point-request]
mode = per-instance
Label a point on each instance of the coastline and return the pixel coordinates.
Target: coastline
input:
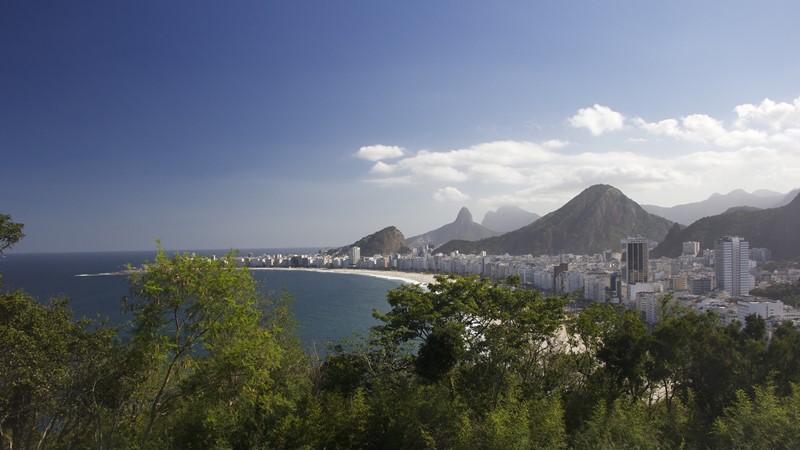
(406, 277)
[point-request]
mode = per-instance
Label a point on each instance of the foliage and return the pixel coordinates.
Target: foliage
(52, 374)
(763, 420)
(788, 293)
(10, 232)
(211, 344)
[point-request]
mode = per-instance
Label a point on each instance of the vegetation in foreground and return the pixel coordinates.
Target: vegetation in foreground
(208, 363)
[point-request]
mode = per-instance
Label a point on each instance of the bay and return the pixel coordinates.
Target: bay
(328, 306)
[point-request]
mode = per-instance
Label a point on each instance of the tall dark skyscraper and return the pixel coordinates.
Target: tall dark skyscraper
(637, 260)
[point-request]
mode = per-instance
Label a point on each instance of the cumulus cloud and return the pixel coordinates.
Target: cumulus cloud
(770, 114)
(769, 122)
(379, 152)
(449, 194)
(597, 119)
(758, 148)
(381, 167)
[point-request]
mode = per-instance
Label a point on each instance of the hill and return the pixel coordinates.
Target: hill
(463, 228)
(717, 204)
(595, 220)
(508, 218)
(384, 242)
(774, 228)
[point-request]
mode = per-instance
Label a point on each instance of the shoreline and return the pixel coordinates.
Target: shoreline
(406, 277)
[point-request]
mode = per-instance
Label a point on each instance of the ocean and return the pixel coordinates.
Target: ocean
(328, 306)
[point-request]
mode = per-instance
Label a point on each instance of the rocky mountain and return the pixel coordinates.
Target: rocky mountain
(595, 220)
(463, 228)
(774, 228)
(508, 218)
(384, 242)
(688, 213)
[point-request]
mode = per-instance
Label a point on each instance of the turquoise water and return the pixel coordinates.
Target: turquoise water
(327, 306)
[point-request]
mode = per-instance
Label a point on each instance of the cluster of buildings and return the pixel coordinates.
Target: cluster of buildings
(718, 279)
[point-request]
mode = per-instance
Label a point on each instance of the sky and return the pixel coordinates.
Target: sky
(254, 124)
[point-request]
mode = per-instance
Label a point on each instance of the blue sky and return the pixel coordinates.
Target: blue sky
(278, 124)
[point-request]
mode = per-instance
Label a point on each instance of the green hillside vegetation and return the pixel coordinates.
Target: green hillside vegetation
(594, 221)
(775, 229)
(208, 363)
(384, 242)
(788, 293)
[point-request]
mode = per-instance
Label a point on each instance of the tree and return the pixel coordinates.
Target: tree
(10, 232)
(212, 344)
(762, 420)
(53, 374)
(494, 336)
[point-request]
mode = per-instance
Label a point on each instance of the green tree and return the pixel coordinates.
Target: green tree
(762, 420)
(53, 375)
(494, 336)
(10, 232)
(214, 345)
(624, 424)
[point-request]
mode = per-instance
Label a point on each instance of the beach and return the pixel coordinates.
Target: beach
(407, 277)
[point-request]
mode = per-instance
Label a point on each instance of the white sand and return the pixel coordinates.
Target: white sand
(406, 277)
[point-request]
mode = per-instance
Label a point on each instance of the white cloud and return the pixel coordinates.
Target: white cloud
(766, 123)
(379, 152)
(772, 115)
(381, 167)
(598, 119)
(450, 194)
(758, 148)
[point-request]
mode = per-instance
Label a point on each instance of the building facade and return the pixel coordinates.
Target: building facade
(732, 265)
(637, 260)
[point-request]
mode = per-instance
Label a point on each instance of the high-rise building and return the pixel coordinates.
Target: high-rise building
(732, 265)
(354, 254)
(637, 259)
(691, 248)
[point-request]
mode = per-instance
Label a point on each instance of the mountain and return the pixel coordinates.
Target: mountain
(717, 204)
(595, 220)
(384, 242)
(787, 198)
(508, 218)
(774, 228)
(464, 228)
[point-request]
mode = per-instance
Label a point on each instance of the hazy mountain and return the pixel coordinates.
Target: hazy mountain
(774, 228)
(717, 204)
(595, 220)
(787, 198)
(463, 228)
(384, 242)
(508, 218)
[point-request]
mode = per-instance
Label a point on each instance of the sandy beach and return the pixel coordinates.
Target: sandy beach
(406, 277)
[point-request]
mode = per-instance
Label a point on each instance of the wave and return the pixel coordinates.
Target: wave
(104, 274)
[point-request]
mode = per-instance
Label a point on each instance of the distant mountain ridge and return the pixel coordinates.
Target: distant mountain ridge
(595, 220)
(688, 213)
(463, 228)
(384, 242)
(774, 228)
(508, 218)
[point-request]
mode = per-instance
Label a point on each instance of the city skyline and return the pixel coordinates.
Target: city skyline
(265, 124)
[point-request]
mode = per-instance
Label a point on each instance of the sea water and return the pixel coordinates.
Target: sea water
(327, 306)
